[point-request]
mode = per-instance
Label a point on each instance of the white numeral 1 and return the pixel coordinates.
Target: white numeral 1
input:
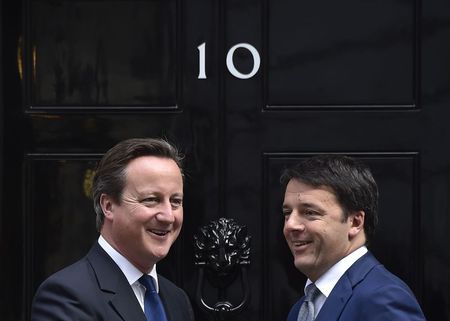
(201, 61)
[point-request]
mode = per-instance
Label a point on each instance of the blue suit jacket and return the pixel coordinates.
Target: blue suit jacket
(367, 291)
(95, 288)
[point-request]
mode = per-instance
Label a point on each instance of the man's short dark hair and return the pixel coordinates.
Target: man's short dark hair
(350, 180)
(110, 177)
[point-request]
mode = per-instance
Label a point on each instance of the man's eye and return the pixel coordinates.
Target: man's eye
(286, 212)
(150, 200)
(310, 213)
(177, 202)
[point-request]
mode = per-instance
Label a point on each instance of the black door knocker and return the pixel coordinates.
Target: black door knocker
(222, 252)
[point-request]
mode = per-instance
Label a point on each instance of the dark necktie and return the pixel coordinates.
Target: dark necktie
(306, 312)
(153, 307)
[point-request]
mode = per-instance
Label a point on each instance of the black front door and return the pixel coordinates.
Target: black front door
(244, 88)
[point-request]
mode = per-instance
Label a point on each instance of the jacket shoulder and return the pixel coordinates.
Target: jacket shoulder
(67, 293)
(383, 295)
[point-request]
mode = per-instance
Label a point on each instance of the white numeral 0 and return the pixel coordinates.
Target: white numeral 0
(256, 61)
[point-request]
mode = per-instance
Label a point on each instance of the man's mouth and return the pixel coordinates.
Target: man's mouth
(159, 232)
(300, 243)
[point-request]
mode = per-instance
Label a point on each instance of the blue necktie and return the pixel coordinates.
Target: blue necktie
(153, 307)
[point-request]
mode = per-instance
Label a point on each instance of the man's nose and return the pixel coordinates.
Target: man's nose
(294, 222)
(166, 212)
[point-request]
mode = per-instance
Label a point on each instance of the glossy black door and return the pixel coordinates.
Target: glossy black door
(369, 79)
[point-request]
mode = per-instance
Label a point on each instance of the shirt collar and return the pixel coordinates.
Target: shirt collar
(329, 279)
(131, 272)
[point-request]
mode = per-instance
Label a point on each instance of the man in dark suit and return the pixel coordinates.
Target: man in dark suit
(330, 210)
(138, 200)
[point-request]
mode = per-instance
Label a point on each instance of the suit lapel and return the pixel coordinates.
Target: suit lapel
(125, 305)
(164, 295)
(343, 290)
(114, 285)
(337, 300)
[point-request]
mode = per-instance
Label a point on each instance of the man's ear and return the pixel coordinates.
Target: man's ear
(356, 221)
(107, 205)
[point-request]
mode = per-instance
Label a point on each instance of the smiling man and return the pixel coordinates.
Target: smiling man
(138, 199)
(330, 210)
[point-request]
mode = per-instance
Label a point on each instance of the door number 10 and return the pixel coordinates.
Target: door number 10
(230, 64)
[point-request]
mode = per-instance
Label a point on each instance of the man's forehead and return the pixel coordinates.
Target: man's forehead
(301, 197)
(302, 191)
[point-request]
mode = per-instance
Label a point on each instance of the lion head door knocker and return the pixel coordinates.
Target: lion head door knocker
(222, 253)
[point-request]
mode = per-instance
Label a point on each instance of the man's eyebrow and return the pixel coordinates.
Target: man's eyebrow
(308, 204)
(177, 195)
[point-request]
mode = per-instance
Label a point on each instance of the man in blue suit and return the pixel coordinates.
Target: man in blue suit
(138, 199)
(330, 210)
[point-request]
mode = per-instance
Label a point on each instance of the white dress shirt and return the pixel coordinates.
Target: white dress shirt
(329, 279)
(131, 272)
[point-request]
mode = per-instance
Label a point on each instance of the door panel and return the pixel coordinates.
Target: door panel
(58, 220)
(357, 53)
(102, 53)
(368, 79)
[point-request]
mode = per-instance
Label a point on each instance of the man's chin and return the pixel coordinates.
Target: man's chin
(160, 254)
(303, 266)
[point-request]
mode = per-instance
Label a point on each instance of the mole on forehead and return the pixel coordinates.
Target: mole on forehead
(300, 196)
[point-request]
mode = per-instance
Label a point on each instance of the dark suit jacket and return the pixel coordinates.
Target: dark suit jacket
(366, 292)
(95, 288)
